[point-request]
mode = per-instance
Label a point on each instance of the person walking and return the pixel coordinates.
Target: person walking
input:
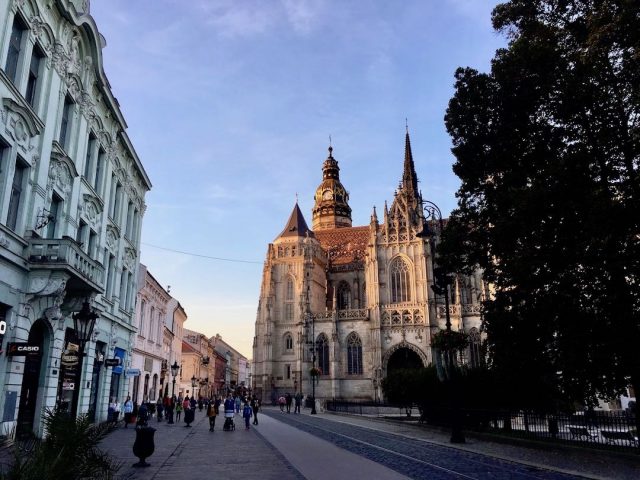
(212, 412)
(128, 410)
(229, 410)
(237, 401)
(159, 408)
(282, 402)
(178, 410)
(288, 399)
(255, 406)
(298, 402)
(143, 415)
(246, 414)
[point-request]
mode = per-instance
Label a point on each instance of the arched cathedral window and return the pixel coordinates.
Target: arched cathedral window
(475, 348)
(288, 342)
(400, 281)
(354, 354)
(344, 296)
(322, 354)
(288, 306)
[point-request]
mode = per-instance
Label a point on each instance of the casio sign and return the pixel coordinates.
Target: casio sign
(21, 349)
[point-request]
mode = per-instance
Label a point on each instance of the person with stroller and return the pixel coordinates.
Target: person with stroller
(229, 412)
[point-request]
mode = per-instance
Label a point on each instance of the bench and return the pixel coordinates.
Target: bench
(625, 435)
(581, 432)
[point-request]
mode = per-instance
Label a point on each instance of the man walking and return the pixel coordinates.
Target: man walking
(255, 406)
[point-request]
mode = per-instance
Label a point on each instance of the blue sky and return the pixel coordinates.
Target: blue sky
(230, 105)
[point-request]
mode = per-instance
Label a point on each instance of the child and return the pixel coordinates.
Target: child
(178, 411)
(246, 414)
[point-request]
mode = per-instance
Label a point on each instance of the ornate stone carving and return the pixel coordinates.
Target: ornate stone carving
(61, 174)
(112, 237)
(130, 258)
(92, 209)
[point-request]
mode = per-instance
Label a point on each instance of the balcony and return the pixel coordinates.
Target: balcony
(64, 254)
(349, 314)
(406, 315)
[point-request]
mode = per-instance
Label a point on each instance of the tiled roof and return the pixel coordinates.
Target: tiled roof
(187, 348)
(344, 245)
(296, 225)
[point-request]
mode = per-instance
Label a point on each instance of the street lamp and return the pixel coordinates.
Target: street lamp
(83, 323)
(175, 368)
(313, 358)
(441, 287)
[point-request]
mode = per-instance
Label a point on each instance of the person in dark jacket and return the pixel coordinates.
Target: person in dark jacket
(255, 407)
(288, 399)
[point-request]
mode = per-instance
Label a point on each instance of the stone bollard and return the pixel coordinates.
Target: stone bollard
(144, 446)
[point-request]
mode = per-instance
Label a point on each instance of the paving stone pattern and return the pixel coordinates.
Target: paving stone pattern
(416, 458)
(195, 453)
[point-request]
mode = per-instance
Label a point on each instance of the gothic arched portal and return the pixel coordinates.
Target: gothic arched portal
(403, 355)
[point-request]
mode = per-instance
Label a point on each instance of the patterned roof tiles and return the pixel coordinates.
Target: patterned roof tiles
(344, 245)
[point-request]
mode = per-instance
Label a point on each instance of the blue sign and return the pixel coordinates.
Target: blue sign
(119, 353)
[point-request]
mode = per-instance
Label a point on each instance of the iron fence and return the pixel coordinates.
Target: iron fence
(603, 429)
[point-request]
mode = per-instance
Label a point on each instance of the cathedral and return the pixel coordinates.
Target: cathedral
(343, 305)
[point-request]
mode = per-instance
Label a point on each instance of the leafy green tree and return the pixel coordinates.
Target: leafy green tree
(547, 147)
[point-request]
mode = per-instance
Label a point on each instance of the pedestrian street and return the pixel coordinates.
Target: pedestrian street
(287, 446)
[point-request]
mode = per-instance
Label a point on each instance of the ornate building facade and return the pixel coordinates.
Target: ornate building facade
(72, 194)
(358, 298)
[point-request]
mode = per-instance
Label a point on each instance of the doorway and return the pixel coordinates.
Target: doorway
(31, 382)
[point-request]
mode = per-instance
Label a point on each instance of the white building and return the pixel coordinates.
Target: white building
(149, 363)
(72, 194)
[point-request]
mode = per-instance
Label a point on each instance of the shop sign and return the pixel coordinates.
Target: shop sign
(132, 372)
(68, 385)
(16, 349)
(112, 362)
(69, 359)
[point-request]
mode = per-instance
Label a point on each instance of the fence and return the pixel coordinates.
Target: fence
(604, 429)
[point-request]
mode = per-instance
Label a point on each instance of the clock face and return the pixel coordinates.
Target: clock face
(326, 195)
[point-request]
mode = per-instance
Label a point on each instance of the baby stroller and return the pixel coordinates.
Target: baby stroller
(229, 424)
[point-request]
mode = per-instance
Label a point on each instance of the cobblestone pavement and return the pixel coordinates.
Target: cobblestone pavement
(419, 452)
(196, 453)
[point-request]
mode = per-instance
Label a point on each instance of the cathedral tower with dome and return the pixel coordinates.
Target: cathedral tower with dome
(359, 296)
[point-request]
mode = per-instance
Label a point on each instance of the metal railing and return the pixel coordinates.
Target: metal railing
(603, 429)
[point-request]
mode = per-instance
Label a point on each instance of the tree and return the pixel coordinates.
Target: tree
(547, 147)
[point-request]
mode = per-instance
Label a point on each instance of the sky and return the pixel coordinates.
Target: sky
(230, 105)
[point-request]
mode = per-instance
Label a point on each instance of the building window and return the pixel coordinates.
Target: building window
(475, 348)
(354, 354)
(322, 353)
(129, 221)
(111, 265)
(88, 167)
(97, 180)
(81, 234)
(92, 248)
(288, 342)
(344, 296)
(55, 212)
(400, 281)
(287, 371)
(65, 122)
(17, 193)
(34, 74)
(15, 47)
(143, 307)
(289, 296)
(288, 312)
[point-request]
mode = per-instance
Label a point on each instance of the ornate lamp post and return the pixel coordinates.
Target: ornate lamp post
(308, 317)
(83, 323)
(441, 287)
(175, 368)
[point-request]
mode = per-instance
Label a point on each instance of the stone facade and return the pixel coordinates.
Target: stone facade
(72, 194)
(363, 293)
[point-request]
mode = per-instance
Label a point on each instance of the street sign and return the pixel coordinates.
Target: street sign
(132, 372)
(112, 362)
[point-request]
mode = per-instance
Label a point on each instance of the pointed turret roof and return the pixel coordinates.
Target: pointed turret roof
(296, 225)
(409, 177)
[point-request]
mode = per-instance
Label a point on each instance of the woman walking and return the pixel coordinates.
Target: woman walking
(212, 412)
